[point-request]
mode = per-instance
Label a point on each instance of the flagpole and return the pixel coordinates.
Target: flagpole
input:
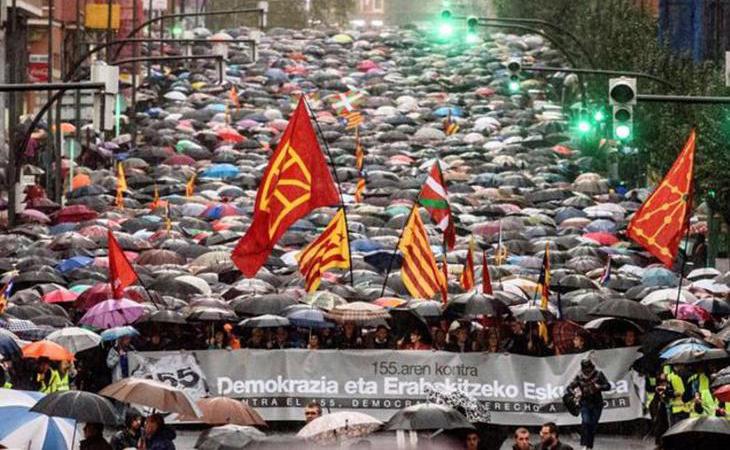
(337, 180)
(395, 250)
(684, 260)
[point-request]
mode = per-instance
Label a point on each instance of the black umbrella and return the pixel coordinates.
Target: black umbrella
(474, 304)
(427, 416)
(165, 316)
(692, 356)
(81, 406)
(625, 309)
(706, 433)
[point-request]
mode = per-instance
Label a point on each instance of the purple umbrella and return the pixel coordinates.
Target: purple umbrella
(113, 313)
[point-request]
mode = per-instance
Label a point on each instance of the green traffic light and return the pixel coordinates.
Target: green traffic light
(598, 116)
(472, 38)
(176, 30)
(584, 126)
(514, 86)
(622, 131)
(446, 30)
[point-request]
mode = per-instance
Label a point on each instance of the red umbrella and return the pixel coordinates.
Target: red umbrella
(103, 291)
(75, 213)
(60, 296)
(722, 393)
(602, 237)
(230, 135)
(179, 160)
(692, 313)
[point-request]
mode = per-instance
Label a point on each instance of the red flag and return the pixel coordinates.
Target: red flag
(664, 217)
(467, 275)
(486, 279)
(296, 181)
(121, 273)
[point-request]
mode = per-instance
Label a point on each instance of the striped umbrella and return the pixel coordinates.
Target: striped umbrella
(20, 428)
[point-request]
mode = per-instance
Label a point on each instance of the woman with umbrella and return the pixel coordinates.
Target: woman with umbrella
(117, 360)
(415, 342)
(589, 383)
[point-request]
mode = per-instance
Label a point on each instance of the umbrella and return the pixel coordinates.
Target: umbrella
(265, 321)
(692, 356)
(427, 416)
(47, 349)
(60, 296)
(706, 433)
(75, 339)
(224, 410)
(112, 334)
(625, 309)
(227, 437)
(78, 405)
(112, 313)
(21, 428)
(357, 312)
(9, 348)
(345, 424)
(154, 394)
(308, 318)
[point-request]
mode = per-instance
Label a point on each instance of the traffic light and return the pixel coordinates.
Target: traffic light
(514, 67)
(599, 116)
(176, 29)
(622, 96)
(445, 27)
(472, 31)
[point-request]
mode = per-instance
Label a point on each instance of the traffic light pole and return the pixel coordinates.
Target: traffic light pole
(619, 73)
(686, 99)
(14, 151)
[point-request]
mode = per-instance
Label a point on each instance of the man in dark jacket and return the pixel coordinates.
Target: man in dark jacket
(157, 435)
(590, 383)
(94, 438)
(549, 439)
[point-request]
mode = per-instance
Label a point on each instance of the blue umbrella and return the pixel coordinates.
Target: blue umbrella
(71, 264)
(601, 225)
(444, 111)
(220, 171)
(381, 260)
(112, 334)
(9, 349)
(694, 346)
(20, 428)
(308, 318)
(63, 228)
(216, 107)
(658, 276)
(365, 245)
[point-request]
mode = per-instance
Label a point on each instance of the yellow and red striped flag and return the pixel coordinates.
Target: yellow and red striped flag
(354, 119)
(168, 220)
(330, 250)
(121, 186)
(190, 186)
(445, 285)
(359, 152)
(544, 286)
(420, 274)
(467, 275)
(450, 125)
(233, 96)
(359, 190)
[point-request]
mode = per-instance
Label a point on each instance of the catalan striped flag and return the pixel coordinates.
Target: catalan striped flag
(359, 152)
(156, 203)
(544, 285)
(420, 274)
(121, 186)
(168, 220)
(330, 250)
(190, 186)
(353, 120)
(445, 286)
(467, 275)
(359, 189)
(450, 125)
(502, 251)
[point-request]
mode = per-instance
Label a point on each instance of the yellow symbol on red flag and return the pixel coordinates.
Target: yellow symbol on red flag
(664, 217)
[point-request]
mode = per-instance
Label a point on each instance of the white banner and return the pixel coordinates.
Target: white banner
(179, 370)
(507, 389)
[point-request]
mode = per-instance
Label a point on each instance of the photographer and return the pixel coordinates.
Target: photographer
(660, 407)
